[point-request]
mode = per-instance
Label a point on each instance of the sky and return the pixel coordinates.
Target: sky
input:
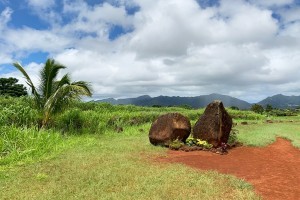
(248, 49)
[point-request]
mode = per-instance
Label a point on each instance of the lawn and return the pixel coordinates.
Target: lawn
(262, 134)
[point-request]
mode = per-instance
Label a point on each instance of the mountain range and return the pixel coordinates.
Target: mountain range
(276, 101)
(281, 101)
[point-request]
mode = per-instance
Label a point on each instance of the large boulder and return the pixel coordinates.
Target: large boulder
(214, 125)
(169, 127)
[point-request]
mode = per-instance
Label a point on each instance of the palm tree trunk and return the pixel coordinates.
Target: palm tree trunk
(45, 119)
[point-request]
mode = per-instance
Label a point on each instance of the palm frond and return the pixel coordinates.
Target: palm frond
(65, 80)
(28, 80)
(65, 94)
(47, 76)
(29, 83)
(85, 87)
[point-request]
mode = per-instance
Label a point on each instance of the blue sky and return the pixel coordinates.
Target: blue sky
(248, 49)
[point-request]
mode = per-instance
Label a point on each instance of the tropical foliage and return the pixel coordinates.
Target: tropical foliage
(52, 95)
(9, 87)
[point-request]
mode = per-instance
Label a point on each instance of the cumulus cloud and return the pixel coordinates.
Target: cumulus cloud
(28, 39)
(173, 47)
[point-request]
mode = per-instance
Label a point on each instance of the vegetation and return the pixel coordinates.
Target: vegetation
(262, 134)
(9, 87)
(268, 108)
(82, 152)
(52, 95)
(87, 172)
(27, 144)
(257, 108)
(197, 142)
(176, 144)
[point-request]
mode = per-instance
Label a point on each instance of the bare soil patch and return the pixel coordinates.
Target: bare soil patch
(274, 171)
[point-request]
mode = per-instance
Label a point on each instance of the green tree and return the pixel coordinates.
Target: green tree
(269, 108)
(52, 95)
(257, 108)
(9, 86)
(234, 108)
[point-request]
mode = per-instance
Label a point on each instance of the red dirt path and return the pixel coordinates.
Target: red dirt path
(274, 171)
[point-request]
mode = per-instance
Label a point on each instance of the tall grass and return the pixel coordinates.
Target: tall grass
(27, 144)
(100, 117)
(96, 118)
(18, 112)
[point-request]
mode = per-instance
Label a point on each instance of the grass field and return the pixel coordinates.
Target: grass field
(262, 134)
(117, 167)
(109, 165)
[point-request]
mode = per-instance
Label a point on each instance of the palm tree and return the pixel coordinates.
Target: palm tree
(52, 95)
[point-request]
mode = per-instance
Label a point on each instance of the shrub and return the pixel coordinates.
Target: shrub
(176, 144)
(232, 140)
(257, 108)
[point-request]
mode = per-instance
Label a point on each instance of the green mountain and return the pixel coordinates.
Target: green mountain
(195, 102)
(281, 101)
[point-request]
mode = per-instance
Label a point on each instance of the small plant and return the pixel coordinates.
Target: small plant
(191, 142)
(232, 140)
(204, 144)
(197, 142)
(176, 144)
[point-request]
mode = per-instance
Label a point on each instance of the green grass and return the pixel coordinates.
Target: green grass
(118, 167)
(90, 160)
(262, 134)
(19, 146)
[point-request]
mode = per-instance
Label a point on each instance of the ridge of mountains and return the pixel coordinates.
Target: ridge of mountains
(276, 101)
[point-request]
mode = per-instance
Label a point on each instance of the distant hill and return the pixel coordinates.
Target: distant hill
(195, 102)
(281, 101)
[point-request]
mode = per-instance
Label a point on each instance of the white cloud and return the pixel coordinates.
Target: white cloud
(184, 24)
(28, 39)
(5, 17)
(97, 20)
(175, 47)
(44, 10)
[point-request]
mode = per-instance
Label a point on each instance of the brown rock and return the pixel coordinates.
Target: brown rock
(214, 125)
(169, 127)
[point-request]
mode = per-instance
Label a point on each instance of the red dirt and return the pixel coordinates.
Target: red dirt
(274, 171)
